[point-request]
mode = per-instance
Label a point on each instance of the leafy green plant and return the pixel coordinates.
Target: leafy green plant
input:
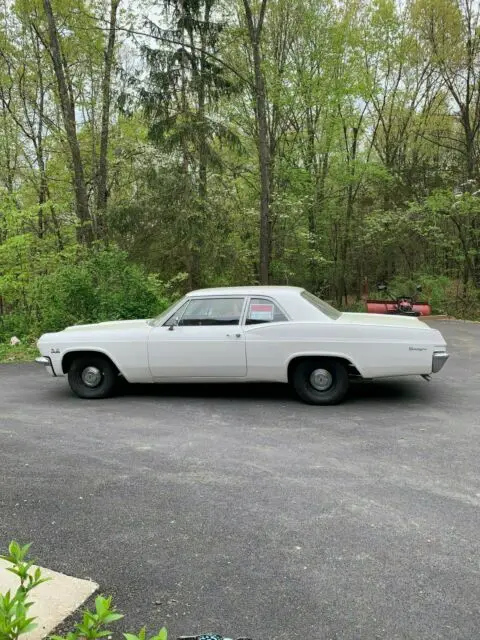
(14, 608)
(94, 624)
(161, 635)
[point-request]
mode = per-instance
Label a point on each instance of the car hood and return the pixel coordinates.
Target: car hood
(381, 319)
(109, 326)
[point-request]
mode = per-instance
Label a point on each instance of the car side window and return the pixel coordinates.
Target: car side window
(212, 312)
(261, 310)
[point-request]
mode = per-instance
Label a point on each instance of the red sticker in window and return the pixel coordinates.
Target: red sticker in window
(261, 312)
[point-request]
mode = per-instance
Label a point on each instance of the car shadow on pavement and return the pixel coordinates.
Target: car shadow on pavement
(364, 391)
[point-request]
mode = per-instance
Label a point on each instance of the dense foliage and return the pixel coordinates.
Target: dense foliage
(194, 143)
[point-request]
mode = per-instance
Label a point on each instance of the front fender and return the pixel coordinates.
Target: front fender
(127, 350)
(85, 349)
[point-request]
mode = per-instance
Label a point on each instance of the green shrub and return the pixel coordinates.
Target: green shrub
(354, 306)
(435, 290)
(14, 324)
(97, 286)
(445, 295)
(103, 286)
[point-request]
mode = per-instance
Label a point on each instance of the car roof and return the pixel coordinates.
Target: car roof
(255, 290)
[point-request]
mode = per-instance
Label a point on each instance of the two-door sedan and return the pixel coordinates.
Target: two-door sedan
(250, 334)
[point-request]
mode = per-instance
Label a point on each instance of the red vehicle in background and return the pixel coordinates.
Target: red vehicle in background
(399, 305)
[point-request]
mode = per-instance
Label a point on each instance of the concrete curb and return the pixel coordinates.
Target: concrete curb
(53, 601)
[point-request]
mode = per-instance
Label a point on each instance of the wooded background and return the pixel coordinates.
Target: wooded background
(153, 147)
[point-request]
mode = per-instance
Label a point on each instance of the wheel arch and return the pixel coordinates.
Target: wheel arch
(352, 368)
(69, 356)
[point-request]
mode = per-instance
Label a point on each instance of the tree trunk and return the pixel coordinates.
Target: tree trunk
(56, 225)
(102, 188)
(470, 152)
(9, 165)
(200, 72)
(318, 167)
(43, 187)
(42, 190)
(312, 165)
(67, 106)
(255, 31)
(264, 161)
(345, 246)
(203, 149)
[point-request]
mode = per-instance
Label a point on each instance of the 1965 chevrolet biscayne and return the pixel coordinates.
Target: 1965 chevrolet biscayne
(251, 334)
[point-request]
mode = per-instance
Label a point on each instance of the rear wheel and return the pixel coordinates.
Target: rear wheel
(320, 381)
(92, 376)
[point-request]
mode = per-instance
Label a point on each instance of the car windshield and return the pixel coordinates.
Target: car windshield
(321, 305)
(154, 322)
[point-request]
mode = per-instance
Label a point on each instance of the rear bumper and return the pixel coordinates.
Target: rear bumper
(47, 363)
(438, 360)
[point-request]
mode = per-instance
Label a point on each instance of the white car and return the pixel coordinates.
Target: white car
(250, 334)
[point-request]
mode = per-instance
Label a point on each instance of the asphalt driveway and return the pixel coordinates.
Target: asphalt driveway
(245, 512)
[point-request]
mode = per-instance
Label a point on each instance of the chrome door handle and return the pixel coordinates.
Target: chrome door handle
(234, 335)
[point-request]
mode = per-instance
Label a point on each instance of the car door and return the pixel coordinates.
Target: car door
(203, 339)
(267, 333)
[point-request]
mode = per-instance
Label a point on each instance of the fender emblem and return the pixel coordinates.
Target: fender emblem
(54, 350)
(417, 348)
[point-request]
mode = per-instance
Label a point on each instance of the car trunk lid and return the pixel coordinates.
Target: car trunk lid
(381, 319)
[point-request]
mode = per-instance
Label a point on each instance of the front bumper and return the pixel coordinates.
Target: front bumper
(45, 360)
(438, 360)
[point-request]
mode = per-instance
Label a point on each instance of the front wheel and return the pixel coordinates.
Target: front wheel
(320, 381)
(92, 377)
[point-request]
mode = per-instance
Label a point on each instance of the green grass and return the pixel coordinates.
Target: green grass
(24, 352)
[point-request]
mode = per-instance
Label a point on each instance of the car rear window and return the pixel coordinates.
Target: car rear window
(321, 305)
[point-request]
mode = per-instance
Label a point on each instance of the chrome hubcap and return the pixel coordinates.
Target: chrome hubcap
(91, 376)
(321, 379)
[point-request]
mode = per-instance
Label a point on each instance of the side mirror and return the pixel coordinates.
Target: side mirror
(175, 323)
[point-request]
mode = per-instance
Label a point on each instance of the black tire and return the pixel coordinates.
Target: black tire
(301, 381)
(77, 373)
